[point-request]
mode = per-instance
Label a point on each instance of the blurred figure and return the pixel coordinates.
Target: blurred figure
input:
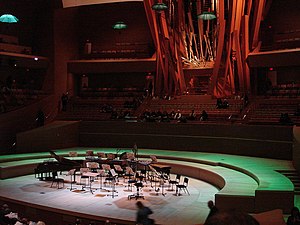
(88, 47)
(246, 100)
(285, 119)
(78, 222)
(4, 211)
(142, 214)
(192, 115)
(40, 223)
(135, 150)
(23, 221)
(64, 101)
(294, 218)
(212, 209)
(231, 217)
(219, 103)
(203, 116)
(40, 118)
(177, 115)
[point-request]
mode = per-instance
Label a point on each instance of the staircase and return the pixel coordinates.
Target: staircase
(293, 175)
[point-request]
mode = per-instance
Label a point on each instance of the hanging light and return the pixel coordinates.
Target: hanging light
(120, 25)
(8, 18)
(159, 7)
(207, 16)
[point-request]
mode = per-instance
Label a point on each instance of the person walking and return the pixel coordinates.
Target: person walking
(142, 214)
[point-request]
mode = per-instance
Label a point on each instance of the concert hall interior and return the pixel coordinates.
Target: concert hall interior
(104, 103)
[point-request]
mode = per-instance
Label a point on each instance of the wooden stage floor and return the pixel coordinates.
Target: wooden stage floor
(168, 209)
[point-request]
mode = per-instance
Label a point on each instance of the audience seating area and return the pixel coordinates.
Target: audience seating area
(269, 111)
(101, 108)
(10, 43)
(198, 103)
(111, 92)
(285, 90)
(11, 99)
(258, 111)
(287, 39)
(122, 50)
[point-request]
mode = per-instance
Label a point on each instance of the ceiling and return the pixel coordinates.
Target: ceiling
(73, 3)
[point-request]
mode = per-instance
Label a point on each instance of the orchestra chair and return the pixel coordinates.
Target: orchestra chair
(101, 155)
(131, 178)
(130, 183)
(153, 159)
(93, 166)
(123, 156)
(130, 156)
(71, 173)
(137, 195)
(119, 170)
(73, 154)
(106, 167)
(128, 173)
(89, 154)
(141, 176)
(174, 182)
(183, 187)
(110, 156)
(84, 177)
(57, 180)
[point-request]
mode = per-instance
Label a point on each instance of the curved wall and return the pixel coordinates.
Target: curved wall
(296, 148)
(259, 141)
(262, 141)
(24, 119)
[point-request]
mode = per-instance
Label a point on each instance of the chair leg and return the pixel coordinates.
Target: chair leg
(187, 191)
(63, 182)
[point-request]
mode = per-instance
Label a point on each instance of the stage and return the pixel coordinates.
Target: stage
(249, 183)
(169, 209)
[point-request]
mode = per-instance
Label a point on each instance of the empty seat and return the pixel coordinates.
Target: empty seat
(57, 180)
(183, 187)
(174, 182)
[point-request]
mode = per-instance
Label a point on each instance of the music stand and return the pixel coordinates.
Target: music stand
(113, 177)
(135, 150)
(101, 173)
(161, 181)
(91, 176)
(72, 173)
(137, 195)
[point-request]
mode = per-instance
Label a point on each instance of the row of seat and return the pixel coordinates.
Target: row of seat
(269, 111)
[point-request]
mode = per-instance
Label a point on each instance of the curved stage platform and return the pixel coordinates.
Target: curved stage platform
(249, 183)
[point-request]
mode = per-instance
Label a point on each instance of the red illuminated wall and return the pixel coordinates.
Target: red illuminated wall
(95, 23)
